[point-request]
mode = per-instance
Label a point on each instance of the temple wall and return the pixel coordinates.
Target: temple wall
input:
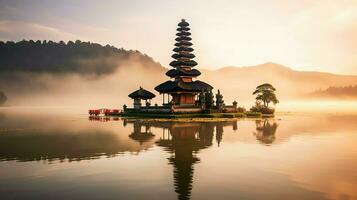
(187, 110)
(183, 98)
(151, 109)
(181, 109)
(154, 109)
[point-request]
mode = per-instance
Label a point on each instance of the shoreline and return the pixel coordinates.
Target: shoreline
(194, 117)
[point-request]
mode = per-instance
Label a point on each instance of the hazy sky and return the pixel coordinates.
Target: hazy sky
(302, 34)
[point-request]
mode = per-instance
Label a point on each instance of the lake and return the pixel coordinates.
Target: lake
(48, 153)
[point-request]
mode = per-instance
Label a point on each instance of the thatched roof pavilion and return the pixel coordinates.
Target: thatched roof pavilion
(141, 93)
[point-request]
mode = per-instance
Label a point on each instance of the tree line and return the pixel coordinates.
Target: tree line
(333, 91)
(60, 57)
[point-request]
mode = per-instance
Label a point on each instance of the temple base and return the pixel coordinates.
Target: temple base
(183, 108)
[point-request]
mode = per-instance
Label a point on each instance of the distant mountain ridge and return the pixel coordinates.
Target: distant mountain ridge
(289, 83)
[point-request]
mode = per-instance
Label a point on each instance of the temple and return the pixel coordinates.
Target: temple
(183, 89)
(183, 93)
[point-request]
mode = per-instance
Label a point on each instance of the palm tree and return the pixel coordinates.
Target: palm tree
(266, 94)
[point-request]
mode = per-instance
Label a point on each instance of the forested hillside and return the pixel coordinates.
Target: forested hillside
(70, 57)
(337, 92)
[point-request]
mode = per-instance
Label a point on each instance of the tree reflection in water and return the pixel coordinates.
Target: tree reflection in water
(61, 145)
(265, 131)
(66, 144)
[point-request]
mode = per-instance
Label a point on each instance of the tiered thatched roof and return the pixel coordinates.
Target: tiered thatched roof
(181, 86)
(182, 65)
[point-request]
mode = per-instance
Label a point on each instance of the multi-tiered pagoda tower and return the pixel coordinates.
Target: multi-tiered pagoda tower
(183, 89)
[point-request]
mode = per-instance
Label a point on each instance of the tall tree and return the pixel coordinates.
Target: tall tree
(209, 98)
(266, 94)
(3, 98)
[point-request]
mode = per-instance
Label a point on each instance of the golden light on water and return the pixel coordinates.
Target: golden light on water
(319, 106)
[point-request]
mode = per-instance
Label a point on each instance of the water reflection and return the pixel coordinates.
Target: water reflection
(182, 159)
(62, 140)
(137, 134)
(60, 146)
(265, 130)
(103, 118)
(183, 141)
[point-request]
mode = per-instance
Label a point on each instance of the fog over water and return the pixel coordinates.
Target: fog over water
(111, 90)
(45, 89)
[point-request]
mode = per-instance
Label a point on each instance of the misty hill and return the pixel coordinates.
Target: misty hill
(290, 83)
(71, 57)
(73, 73)
(337, 92)
(83, 73)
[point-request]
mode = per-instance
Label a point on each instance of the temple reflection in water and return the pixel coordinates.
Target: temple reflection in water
(138, 134)
(183, 141)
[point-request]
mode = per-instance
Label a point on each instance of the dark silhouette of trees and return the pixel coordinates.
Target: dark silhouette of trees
(345, 91)
(3, 98)
(266, 94)
(60, 57)
(209, 99)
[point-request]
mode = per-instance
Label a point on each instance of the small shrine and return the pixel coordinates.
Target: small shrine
(141, 94)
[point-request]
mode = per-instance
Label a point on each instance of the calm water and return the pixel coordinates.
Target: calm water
(46, 154)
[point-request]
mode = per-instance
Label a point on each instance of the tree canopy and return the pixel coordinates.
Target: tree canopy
(266, 93)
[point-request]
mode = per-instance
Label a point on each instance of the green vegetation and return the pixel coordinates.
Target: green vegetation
(258, 107)
(265, 95)
(253, 114)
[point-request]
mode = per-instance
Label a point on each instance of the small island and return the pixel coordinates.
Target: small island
(184, 97)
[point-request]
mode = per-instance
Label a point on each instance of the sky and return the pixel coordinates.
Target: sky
(311, 35)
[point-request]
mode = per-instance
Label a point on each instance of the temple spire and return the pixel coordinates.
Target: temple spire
(183, 88)
(183, 56)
